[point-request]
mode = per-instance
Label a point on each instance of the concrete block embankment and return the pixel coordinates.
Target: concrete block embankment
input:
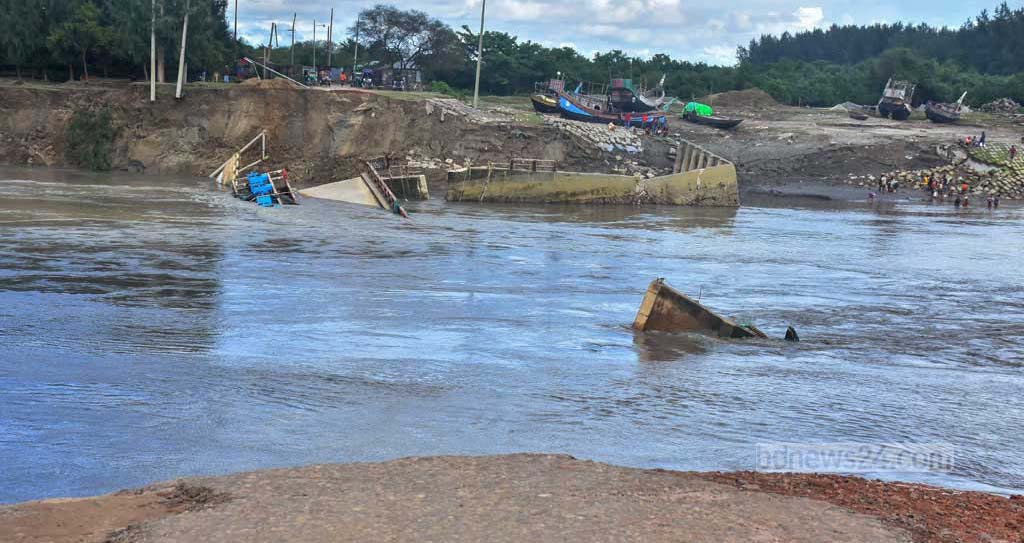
(700, 178)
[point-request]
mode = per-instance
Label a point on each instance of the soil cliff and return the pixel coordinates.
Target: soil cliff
(318, 136)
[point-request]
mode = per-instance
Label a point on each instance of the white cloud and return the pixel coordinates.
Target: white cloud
(698, 30)
(719, 54)
(809, 18)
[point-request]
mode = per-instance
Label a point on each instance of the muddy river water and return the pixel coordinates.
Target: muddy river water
(153, 328)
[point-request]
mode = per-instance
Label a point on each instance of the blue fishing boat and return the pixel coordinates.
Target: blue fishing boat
(592, 110)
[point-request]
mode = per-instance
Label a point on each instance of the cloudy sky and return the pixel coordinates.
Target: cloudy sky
(697, 30)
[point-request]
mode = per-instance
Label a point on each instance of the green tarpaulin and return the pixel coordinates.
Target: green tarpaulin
(701, 109)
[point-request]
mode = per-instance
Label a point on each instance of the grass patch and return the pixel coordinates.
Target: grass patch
(408, 95)
(521, 103)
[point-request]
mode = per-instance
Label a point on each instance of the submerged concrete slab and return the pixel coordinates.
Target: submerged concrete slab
(410, 187)
(715, 186)
(353, 191)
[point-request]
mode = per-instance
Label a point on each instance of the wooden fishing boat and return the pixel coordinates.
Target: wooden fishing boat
(714, 121)
(576, 108)
(623, 96)
(896, 100)
(944, 113)
(666, 309)
(543, 103)
(939, 113)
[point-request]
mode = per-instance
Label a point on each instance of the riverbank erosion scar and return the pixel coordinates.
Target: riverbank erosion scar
(318, 136)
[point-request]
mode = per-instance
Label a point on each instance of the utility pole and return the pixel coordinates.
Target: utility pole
(269, 48)
(330, 42)
(355, 55)
(236, 30)
(317, 75)
(479, 55)
(152, 53)
(181, 59)
(291, 66)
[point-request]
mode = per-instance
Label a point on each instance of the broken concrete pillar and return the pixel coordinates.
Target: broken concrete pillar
(694, 158)
(679, 157)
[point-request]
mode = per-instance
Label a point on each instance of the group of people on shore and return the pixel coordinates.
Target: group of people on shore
(940, 188)
(975, 142)
(650, 125)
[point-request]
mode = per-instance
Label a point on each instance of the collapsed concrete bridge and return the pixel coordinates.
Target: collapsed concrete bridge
(699, 178)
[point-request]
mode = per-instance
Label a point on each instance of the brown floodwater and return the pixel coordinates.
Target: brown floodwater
(156, 327)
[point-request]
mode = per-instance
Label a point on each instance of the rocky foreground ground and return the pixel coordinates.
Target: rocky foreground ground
(519, 497)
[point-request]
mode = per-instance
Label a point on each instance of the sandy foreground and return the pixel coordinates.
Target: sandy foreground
(518, 497)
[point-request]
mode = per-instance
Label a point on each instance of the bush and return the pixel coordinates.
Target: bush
(442, 87)
(89, 140)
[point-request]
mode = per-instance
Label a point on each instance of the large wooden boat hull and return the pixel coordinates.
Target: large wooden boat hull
(940, 115)
(666, 309)
(572, 109)
(714, 121)
(544, 104)
(898, 111)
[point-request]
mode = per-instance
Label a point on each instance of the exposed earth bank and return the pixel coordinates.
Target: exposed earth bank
(518, 497)
(320, 135)
(317, 135)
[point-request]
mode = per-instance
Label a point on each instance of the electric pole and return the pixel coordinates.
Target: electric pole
(479, 54)
(181, 59)
(330, 42)
(355, 55)
(291, 67)
(268, 49)
(236, 30)
(152, 53)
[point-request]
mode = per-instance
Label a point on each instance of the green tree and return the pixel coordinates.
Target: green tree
(23, 41)
(79, 35)
(400, 37)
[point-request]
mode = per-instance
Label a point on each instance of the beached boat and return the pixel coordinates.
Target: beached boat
(715, 121)
(896, 100)
(941, 113)
(623, 96)
(944, 113)
(666, 309)
(858, 115)
(696, 112)
(544, 104)
(590, 109)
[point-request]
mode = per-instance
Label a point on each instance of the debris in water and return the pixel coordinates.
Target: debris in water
(665, 308)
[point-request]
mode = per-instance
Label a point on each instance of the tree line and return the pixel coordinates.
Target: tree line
(111, 37)
(989, 43)
(819, 67)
